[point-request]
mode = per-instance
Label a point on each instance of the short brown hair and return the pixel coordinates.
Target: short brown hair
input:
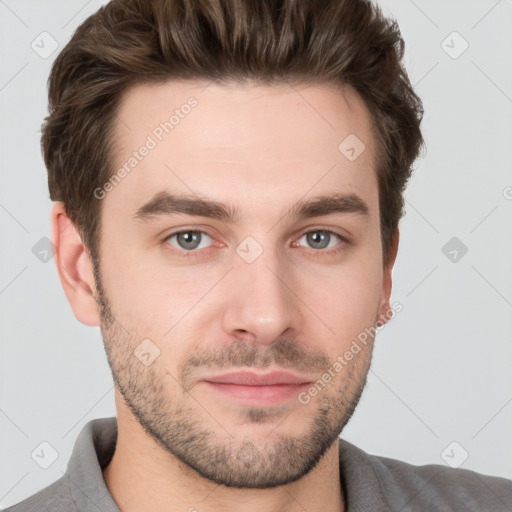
(127, 42)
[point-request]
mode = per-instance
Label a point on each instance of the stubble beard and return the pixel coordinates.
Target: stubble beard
(218, 453)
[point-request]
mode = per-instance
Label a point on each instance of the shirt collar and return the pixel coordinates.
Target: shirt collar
(92, 452)
(95, 447)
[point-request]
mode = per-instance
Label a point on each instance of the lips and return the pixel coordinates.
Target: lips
(246, 378)
(252, 389)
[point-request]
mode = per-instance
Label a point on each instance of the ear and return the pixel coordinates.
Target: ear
(74, 266)
(385, 310)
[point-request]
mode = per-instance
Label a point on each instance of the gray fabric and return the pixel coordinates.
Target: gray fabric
(371, 483)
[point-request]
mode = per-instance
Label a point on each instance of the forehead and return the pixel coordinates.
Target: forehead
(251, 142)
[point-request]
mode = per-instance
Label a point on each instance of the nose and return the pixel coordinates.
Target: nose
(261, 303)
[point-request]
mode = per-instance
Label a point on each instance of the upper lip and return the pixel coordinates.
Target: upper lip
(257, 379)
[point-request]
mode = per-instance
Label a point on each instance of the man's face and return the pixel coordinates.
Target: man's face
(262, 291)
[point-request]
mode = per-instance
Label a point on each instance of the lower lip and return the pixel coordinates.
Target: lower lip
(258, 395)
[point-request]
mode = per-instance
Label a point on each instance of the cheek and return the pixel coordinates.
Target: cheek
(133, 289)
(149, 298)
(347, 302)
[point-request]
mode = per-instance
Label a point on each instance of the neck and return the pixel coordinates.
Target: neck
(143, 477)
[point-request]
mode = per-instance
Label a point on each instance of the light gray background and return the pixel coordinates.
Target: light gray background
(441, 369)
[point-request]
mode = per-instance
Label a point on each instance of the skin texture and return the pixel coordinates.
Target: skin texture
(297, 306)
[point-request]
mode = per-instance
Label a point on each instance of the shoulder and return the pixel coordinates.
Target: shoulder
(82, 487)
(408, 487)
(447, 486)
(55, 498)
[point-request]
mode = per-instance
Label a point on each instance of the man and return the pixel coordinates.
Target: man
(228, 178)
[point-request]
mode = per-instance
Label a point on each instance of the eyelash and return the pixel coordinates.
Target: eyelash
(317, 252)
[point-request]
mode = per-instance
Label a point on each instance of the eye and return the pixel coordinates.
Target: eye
(321, 239)
(189, 240)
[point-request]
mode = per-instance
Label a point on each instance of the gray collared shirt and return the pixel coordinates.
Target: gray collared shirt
(371, 483)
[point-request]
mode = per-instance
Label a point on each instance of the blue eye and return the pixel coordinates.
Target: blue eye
(321, 239)
(188, 240)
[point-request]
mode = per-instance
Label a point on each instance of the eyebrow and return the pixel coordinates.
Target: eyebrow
(164, 204)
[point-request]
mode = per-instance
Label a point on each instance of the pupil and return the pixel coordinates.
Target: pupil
(189, 238)
(319, 237)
